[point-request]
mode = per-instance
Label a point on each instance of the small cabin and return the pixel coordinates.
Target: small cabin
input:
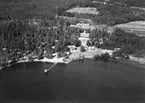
(83, 26)
(84, 34)
(84, 37)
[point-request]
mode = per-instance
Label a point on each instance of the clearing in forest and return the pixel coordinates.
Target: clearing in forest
(137, 27)
(87, 10)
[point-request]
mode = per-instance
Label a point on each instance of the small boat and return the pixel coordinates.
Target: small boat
(45, 71)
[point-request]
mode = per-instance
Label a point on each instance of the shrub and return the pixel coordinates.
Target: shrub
(105, 57)
(50, 56)
(63, 54)
(88, 43)
(128, 49)
(96, 57)
(77, 43)
(82, 49)
(117, 54)
(30, 58)
(59, 55)
(126, 56)
(40, 56)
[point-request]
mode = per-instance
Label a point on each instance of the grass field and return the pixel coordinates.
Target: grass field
(139, 3)
(137, 27)
(87, 10)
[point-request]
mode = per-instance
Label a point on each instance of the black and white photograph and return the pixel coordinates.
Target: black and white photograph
(72, 51)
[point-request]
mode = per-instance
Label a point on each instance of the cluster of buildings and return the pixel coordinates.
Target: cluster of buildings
(84, 26)
(84, 37)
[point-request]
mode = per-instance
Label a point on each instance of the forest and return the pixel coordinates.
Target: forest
(112, 15)
(19, 37)
(128, 43)
(39, 9)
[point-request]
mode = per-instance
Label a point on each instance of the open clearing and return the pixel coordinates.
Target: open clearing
(136, 27)
(87, 10)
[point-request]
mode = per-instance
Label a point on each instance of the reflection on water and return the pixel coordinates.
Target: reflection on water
(86, 82)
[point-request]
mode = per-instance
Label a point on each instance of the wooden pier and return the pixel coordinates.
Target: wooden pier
(46, 70)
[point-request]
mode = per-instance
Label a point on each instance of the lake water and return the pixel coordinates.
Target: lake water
(88, 82)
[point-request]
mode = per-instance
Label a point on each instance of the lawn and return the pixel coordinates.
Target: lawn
(137, 27)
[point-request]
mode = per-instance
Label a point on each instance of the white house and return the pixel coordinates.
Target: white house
(84, 37)
(84, 26)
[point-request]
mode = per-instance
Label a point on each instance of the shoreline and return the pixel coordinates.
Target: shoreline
(76, 56)
(130, 61)
(138, 60)
(45, 60)
(137, 64)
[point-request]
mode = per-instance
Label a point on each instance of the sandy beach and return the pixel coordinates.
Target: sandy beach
(139, 60)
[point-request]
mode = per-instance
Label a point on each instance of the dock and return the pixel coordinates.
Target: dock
(46, 70)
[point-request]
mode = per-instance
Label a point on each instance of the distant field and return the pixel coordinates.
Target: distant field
(22, 9)
(139, 3)
(87, 10)
(137, 27)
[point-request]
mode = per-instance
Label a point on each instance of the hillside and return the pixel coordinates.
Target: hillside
(139, 3)
(25, 9)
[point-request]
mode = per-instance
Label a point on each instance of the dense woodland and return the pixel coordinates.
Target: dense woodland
(128, 43)
(112, 15)
(20, 36)
(40, 9)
